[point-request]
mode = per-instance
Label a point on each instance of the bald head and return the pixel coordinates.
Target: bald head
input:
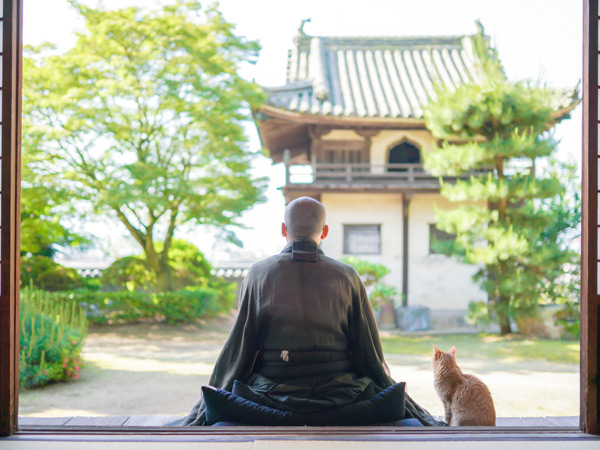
(304, 217)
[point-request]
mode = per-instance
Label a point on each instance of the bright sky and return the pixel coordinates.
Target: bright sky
(536, 39)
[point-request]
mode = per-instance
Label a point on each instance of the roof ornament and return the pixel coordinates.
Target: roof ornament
(479, 26)
(301, 27)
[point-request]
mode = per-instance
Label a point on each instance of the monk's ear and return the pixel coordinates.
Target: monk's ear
(325, 232)
(453, 350)
(283, 229)
(436, 351)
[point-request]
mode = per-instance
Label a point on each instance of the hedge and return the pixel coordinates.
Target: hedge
(122, 307)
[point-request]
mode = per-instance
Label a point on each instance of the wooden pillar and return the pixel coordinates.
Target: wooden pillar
(286, 162)
(590, 299)
(12, 14)
(405, 205)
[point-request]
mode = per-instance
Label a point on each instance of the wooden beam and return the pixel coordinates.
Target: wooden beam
(387, 123)
(10, 215)
(590, 311)
(406, 197)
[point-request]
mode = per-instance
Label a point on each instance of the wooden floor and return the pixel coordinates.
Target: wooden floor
(160, 420)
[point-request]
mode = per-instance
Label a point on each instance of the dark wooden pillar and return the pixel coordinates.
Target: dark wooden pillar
(286, 162)
(12, 14)
(405, 205)
(590, 304)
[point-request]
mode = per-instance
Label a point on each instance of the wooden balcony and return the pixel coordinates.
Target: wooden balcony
(364, 176)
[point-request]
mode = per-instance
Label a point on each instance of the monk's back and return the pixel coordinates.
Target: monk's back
(303, 305)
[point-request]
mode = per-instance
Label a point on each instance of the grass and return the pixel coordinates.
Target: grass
(486, 346)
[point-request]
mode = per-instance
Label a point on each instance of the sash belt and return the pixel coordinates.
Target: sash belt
(305, 357)
(302, 364)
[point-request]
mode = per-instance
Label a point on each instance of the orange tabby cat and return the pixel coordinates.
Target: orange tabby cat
(467, 400)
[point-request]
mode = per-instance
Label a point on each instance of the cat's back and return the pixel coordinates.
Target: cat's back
(472, 403)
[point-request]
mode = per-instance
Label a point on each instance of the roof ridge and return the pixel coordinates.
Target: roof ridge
(369, 76)
(392, 37)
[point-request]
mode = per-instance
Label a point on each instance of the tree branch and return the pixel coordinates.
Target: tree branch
(170, 231)
(137, 234)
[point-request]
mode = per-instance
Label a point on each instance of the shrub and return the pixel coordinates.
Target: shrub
(51, 338)
(134, 306)
(188, 264)
(371, 274)
(569, 321)
(479, 314)
(43, 273)
(130, 273)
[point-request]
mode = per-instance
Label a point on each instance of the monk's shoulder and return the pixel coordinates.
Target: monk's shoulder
(260, 268)
(340, 267)
(277, 262)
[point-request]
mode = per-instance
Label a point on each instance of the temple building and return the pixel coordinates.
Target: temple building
(349, 127)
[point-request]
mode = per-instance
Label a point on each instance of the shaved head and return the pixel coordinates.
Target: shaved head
(304, 217)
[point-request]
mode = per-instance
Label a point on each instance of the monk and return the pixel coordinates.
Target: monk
(305, 338)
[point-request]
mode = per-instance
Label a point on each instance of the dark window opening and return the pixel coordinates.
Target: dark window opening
(405, 153)
(362, 239)
(437, 239)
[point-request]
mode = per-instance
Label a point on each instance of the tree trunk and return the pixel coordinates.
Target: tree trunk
(505, 326)
(164, 279)
(503, 317)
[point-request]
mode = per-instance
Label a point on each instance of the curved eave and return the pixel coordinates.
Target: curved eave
(344, 121)
(563, 112)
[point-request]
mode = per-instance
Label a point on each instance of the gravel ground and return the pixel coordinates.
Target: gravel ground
(158, 369)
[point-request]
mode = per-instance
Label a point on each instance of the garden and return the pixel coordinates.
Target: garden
(143, 337)
(58, 305)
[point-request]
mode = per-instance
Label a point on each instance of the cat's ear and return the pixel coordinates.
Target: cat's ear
(436, 351)
(453, 350)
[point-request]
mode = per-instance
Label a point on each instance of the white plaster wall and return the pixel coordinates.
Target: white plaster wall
(385, 140)
(435, 281)
(343, 135)
(371, 209)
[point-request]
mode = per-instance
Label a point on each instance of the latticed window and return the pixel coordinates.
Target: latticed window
(362, 239)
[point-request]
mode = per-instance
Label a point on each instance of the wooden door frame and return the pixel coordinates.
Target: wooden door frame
(10, 224)
(590, 311)
(10, 213)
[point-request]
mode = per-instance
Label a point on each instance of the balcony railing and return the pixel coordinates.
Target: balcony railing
(360, 174)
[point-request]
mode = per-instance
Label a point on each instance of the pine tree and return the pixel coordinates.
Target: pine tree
(506, 219)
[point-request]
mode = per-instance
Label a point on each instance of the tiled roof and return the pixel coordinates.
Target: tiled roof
(370, 77)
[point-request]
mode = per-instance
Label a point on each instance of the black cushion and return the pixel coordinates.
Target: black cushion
(223, 406)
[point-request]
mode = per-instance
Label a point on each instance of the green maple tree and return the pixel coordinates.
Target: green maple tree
(143, 117)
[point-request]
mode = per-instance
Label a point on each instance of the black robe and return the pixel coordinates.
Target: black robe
(301, 302)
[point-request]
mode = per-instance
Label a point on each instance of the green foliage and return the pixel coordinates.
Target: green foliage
(129, 307)
(129, 273)
(371, 274)
(142, 119)
(43, 273)
(512, 220)
(52, 333)
(41, 229)
(189, 265)
(45, 201)
(480, 314)
(381, 293)
(569, 320)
